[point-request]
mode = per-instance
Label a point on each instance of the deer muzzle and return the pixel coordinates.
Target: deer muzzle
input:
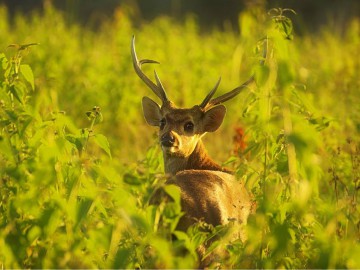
(168, 139)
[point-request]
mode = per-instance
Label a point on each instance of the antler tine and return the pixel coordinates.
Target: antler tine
(158, 88)
(238, 89)
(210, 95)
(159, 84)
(231, 94)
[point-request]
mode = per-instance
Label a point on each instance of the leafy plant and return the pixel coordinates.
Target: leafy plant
(74, 198)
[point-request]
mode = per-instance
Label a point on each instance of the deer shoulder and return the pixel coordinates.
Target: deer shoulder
(214, 197)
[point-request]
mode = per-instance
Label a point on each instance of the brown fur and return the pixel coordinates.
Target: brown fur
(197, 160)
(211, 196)
(209, 192)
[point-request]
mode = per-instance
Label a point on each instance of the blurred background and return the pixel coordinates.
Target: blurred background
(83, 59)
(209, 13)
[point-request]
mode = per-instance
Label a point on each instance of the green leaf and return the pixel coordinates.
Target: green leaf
(103, 143)
(77, 141)
(285, 74)
(34, 233)
(12, 115)
(82, 210)
(3, 63)
(25, 46)
(6, 151)
(15, 92)
(174, 192)
(2, 57)
(132, 179)
(122, 258)
(26, 71)
(262, 74)
(287, 28)
(184, 239)
(300, 142)
(21, 47)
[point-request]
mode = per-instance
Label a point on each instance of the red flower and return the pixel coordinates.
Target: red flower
(239, 140)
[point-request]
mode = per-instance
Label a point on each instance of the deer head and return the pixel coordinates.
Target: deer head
(181, 129)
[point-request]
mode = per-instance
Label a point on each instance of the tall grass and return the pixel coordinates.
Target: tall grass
(78, 164)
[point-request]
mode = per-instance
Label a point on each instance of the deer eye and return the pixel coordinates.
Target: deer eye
(189, 127)
(162, 123)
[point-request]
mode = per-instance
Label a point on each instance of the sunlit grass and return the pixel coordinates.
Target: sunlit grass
(70, 199)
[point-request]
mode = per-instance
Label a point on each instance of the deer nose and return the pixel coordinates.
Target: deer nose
(167, 139)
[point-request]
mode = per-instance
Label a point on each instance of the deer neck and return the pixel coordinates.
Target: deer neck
(197, 160)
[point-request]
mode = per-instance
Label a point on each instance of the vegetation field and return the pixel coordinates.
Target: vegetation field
(78, 164)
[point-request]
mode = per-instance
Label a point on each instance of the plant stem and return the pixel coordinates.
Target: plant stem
(291, 151)
(90, 130)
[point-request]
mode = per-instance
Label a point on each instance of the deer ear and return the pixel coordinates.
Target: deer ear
(151, 111)
(213, 118)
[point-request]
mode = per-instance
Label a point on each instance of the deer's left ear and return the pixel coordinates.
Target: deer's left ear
(152, 111)
(213, 118)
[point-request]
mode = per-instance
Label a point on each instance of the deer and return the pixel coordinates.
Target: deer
(209, 192)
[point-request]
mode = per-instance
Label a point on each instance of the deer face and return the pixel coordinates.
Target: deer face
(181, 129)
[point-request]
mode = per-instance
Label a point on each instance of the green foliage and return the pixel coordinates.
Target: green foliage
(72, 197)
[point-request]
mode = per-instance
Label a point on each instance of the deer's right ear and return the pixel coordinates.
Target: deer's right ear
(213, 118)
(152, 111)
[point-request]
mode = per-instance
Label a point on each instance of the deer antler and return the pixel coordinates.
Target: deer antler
(210, 95)
(208, 102)
(157, 88)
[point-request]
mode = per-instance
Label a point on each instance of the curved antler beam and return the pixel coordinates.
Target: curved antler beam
(157, 88)
(231, 94)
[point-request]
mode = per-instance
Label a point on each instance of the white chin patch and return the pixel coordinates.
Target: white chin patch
(173, 150)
